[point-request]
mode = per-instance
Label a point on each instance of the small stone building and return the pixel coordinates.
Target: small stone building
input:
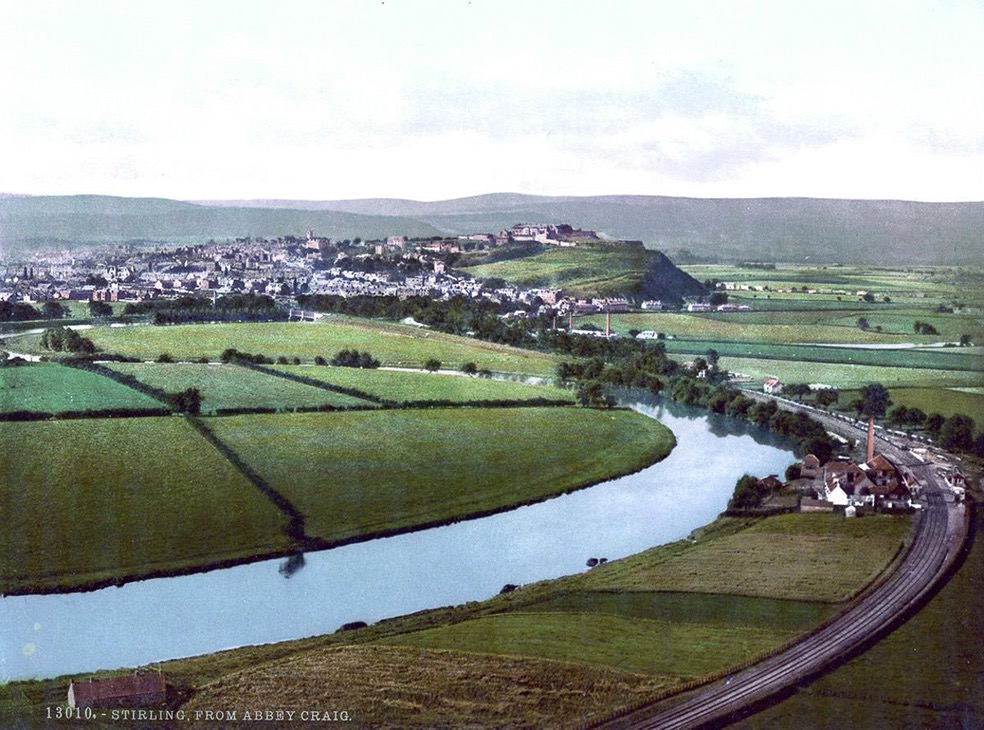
(135, 690)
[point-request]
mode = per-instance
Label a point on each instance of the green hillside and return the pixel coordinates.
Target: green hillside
(595, 269)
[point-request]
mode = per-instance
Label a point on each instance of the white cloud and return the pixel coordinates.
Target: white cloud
(451, 97)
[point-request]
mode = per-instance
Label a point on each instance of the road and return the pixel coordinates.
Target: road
(937, 538)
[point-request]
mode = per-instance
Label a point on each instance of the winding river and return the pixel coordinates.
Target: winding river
(152, 620)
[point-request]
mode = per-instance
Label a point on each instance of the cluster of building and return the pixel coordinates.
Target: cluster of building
(286, 267)
(878, 483)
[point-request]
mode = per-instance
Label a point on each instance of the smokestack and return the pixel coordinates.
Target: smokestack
(570, 325)
(608, 324)
(871, 438)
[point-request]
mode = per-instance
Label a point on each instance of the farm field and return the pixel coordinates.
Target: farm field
(413, 386)
(946, 401)
(416, 688)
(393, 344)
(847, 376)
(677, 649)
(118, 504)
(751, 327)
(232, 386)
(359, 473)
(51, 388)
(825, 568)
(702, 608)
(792, 326)
(948, 359)
(930, 674)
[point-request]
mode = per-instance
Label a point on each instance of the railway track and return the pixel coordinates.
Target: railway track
(877, 612)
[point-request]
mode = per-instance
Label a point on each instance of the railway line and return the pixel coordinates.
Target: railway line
(936, 540)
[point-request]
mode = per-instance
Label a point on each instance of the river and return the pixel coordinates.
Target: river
(153, 620)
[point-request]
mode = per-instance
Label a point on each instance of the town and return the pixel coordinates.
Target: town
(289, 266)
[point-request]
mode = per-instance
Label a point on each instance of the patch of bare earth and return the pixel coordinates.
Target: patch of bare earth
(395, 687)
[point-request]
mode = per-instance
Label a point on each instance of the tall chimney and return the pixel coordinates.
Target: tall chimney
(871, 438)
(608, 324)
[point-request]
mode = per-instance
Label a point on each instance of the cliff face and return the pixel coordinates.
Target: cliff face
(665, 281)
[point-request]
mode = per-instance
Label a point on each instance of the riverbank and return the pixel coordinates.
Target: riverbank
(624, 631)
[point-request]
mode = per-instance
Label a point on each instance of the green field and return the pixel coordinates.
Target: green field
(680, 650)
(845, 376)
(701, 608)
(232, 386)
(947, 401)
(949, 359)
(365, 472)
(51, 388)
(132, 496)
(413, 386)
(930, 670)
(393, 344)
(805, 557)
(750, 327)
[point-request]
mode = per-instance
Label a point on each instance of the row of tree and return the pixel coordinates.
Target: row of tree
(24, 312)
(230, 307)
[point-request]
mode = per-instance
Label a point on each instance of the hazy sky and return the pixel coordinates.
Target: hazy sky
(432, 99)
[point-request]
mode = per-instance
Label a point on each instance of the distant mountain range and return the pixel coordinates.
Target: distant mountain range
(768, 229)
(86, 219)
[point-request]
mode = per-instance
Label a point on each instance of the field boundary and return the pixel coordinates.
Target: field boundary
(294, 528)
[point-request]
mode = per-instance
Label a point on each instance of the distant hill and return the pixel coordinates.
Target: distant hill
(770, 229)
(81, 219)
(591, 270)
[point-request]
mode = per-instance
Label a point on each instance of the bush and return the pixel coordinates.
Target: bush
(165, 357)
(60, 339)
(432, 365)
(354, 359)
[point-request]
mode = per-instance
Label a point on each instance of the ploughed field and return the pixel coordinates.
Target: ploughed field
(97, 487)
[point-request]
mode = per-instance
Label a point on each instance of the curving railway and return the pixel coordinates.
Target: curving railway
(936, 541)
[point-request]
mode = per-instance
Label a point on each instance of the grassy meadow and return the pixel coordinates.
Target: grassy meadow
(393, 344)
(371, 471)
(683, 650)
(847, 376)
(132, 496)
(51, 388)
(232, 386)
(801, 557)
(947, 401)
(414, 386)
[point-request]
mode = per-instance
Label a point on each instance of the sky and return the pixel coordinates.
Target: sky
(437, 99)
